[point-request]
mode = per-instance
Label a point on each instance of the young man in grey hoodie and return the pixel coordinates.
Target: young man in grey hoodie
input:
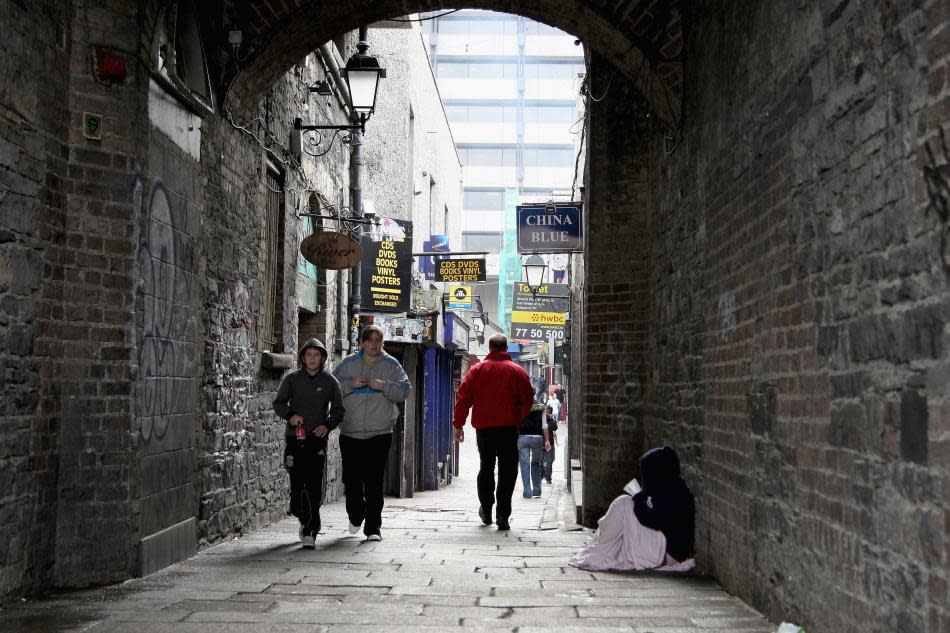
(311, 401)
(373, 384)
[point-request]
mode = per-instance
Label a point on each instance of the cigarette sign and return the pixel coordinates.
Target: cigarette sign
(460, 270)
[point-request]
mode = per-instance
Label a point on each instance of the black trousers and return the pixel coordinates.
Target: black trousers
(547, 463)
(305, 461)
(501, 444)
(364, 465)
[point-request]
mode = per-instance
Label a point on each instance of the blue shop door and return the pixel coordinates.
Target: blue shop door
(436, 454)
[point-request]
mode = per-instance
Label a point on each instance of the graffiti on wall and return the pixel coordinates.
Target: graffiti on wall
(937, 180)
(155, 382)
(727, 315)
(233, 330)
(625, 394)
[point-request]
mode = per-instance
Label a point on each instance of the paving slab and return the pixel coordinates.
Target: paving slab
(437, 569)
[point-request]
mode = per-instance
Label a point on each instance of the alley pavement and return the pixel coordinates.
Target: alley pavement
(438, 568)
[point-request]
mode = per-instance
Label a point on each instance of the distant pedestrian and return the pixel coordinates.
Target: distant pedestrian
(547, 463)
(373, 384)
(500, 395)
(312, 403)
(533, 441)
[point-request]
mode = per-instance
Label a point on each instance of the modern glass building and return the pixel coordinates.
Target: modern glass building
(509, 86)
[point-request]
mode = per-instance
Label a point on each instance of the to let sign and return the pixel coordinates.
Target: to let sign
(460, 270)
(549, 228)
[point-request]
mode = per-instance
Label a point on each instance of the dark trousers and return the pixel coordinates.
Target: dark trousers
(305, 461)
(364, 464)
(501, 444)
(547, 463)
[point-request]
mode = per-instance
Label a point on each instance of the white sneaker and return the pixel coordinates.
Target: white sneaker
(353, 528)
(308, 542)
(374, 537)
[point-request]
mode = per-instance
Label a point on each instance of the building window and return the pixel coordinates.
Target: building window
(549, 157)
(487, 157)
(474, 200)
(272, 297)
(179, 54)
(477, 70)
(549, 114)
(487, 242)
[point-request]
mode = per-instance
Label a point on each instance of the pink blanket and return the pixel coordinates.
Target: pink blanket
(621, 543)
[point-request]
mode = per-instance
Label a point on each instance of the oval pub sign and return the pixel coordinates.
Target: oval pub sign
(331, 250)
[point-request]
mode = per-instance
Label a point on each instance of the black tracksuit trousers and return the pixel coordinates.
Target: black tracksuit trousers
(305, 461)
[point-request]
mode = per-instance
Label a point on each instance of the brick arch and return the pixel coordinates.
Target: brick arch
(641, 38)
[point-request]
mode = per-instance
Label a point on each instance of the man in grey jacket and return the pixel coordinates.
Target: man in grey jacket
(373, 384)
(312, 403)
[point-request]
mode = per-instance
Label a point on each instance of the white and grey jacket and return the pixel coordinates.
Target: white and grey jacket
(370, 412)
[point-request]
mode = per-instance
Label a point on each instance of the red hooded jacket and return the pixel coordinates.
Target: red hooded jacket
(497, 390)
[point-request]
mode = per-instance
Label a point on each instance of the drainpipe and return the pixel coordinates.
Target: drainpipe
(339, 85)
(356, 198)
(328, 54)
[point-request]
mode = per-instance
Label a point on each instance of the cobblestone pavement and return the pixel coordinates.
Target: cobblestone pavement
(437, 568)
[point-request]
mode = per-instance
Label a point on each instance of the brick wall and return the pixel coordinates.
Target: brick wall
(797, 346)
(614, 339)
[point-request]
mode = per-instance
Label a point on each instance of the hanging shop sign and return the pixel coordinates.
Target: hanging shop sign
(460, 297)
(540, 316)
(387, 270)
(460, 270)
(331, 250)
(550, 228)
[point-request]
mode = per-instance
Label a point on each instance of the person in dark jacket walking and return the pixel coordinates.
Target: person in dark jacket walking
(547, 462)
(533, 441)
(311, 401)
(500, 395)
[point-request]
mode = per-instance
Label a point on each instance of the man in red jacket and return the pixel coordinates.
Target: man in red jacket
(500, 395)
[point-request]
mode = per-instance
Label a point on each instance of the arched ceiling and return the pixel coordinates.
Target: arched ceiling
(642, 38)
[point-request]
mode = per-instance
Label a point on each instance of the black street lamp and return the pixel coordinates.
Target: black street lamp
(534, 269)
(362, 74)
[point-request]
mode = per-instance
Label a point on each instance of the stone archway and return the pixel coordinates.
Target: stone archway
(643, 39)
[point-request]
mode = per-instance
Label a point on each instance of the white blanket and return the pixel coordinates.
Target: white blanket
(622, 543)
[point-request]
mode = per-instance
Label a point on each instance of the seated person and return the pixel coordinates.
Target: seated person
(652, 529)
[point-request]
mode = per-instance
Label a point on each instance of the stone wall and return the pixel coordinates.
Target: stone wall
(243, 484)
(797, 347)
(33, 155)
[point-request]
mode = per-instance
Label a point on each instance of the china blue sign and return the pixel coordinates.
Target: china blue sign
(549, 228)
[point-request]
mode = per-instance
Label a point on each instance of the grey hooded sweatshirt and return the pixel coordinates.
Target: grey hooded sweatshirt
(369, 412)
(317, 398)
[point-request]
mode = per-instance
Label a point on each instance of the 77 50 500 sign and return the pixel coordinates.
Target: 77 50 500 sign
(538, 333)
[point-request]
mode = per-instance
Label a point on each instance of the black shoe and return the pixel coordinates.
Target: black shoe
(503, 525)
(484, 516)
(548, 480)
